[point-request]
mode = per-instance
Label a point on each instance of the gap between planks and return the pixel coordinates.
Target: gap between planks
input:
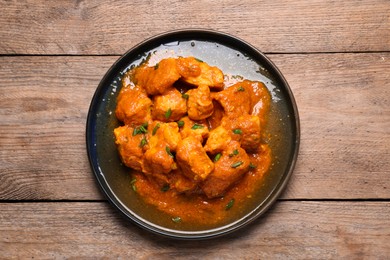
(119, 54)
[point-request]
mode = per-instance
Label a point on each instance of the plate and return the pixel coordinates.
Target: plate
(233, 56)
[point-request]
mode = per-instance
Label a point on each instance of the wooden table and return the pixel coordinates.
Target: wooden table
(335, 56)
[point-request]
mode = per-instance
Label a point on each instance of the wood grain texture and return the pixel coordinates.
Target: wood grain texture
(343, 101)
(112, 27)
(295, 230)
(344, 105)
(44, 106)
(334, 54)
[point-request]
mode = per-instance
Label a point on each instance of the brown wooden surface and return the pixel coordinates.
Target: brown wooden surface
(94, 27)
(335, 56)
(352, 230)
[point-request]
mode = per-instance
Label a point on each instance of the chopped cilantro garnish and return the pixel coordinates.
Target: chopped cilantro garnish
(236, 164)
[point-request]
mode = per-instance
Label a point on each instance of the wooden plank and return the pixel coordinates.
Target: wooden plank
(44, 106)
(112, 27)
(344, 108)
(315, 230)
(343, 101)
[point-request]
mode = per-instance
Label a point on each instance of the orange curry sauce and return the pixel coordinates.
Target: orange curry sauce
(193, 137)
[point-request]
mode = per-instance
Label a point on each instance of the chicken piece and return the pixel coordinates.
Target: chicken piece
(235, 100)
(158, 79)
(197, 129)
(199, 103)
(261, 160)
(133, 106)
(245, 129)
(181, 183)
(169, 107)
(159, 132)
(129, 148)
(216, 117)
(231, 166)
(163, 139)
(190, 67)
(218, 139)
(158, 162)
(193, 160)
(260, 98)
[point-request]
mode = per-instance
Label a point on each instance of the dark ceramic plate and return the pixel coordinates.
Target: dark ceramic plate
(234, 57)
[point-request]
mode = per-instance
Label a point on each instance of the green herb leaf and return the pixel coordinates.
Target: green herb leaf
(156, 66)
(176, 219)
(238, 77)
(237, 131)
(168, 151)
(180, 123)
(143, 142)
(197, 126)
(185, 96)
(235, 152)
(198, 60)
(230, 204)
(142, 129)
(236, 164)
(240, 88)
(155, 129)
(132, 183)
(136, 131)
(145, 125)
(165, 188)
(217, 157)
(252, 166)
(168, 113)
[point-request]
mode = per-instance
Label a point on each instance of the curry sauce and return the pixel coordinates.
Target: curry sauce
(193, 138)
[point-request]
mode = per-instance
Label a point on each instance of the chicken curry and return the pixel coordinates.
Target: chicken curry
(193, 138)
